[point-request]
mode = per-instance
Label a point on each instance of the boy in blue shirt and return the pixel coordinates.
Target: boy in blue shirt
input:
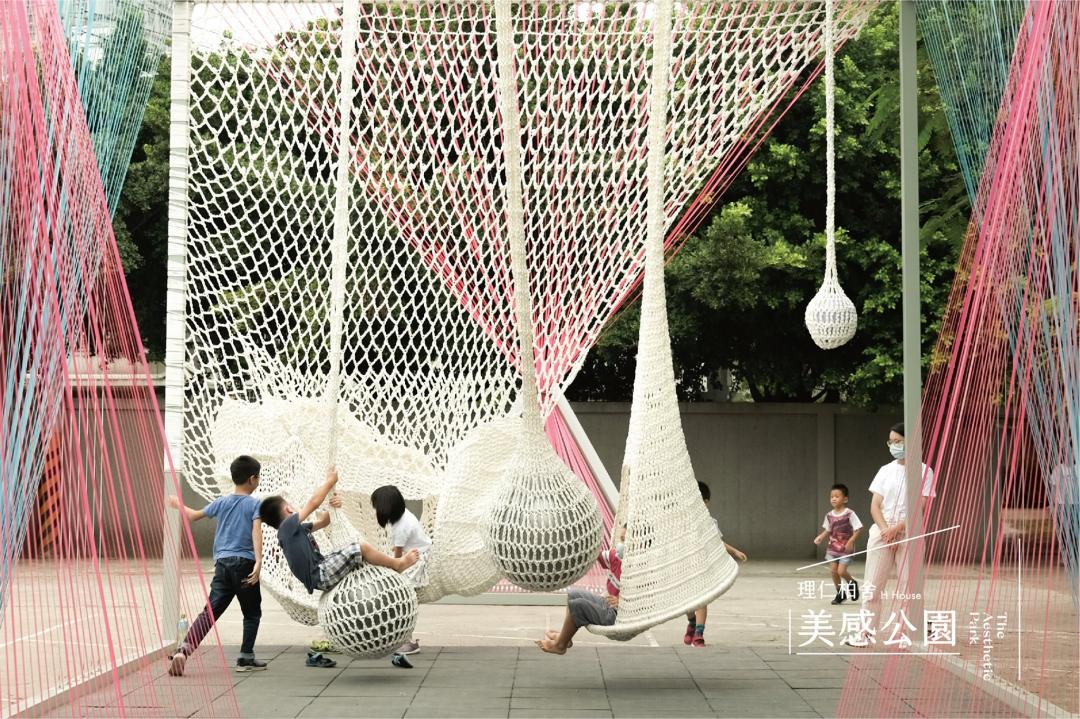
(237, 562)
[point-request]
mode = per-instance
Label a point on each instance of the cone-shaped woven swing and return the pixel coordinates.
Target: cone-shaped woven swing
(674, 559)
(830, 315)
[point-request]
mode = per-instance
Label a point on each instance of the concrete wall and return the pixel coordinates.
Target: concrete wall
(769, 466)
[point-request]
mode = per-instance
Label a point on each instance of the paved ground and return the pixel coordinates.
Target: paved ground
(479, 660)
(610, 681)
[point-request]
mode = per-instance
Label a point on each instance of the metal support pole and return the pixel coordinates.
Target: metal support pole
(176, 298)
(909, 224)
(588, 452)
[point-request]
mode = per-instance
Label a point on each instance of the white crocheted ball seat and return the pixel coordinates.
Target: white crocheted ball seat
(831, 317)
(545, 529)
(370, 613)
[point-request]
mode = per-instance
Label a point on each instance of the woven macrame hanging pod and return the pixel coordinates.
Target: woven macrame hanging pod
(545, 529)
(830, 317)
(659, 501)
(417, 314)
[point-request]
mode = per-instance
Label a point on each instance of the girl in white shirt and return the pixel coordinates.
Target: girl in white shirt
(406, 534)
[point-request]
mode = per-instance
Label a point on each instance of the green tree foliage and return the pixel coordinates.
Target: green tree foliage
(141, 219)
(738, 289)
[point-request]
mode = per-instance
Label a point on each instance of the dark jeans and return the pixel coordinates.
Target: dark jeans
(229, 575)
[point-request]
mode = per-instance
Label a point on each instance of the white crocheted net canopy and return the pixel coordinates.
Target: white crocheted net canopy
(347, 235)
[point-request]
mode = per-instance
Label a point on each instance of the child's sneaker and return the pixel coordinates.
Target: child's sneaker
(317, 660)
(699, 641)
(688, 638)
(176, 664)
(401, 661)
(243, 664)
(839, 598)
(853, 590)
(410, 647)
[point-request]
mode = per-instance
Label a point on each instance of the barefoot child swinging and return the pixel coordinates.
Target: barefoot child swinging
(583, 607)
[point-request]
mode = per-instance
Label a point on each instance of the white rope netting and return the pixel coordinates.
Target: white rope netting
(423, 293)
(659, 502)
(460, 562)
(830, 316)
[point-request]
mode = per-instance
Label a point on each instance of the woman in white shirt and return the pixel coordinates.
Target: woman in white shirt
(884, 556)
(406, 534)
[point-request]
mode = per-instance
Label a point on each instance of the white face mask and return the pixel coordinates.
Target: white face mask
(897, 450)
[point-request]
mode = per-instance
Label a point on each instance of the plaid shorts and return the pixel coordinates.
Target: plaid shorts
(336, 565)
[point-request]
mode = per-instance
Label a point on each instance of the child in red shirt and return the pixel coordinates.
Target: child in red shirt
(842, 527)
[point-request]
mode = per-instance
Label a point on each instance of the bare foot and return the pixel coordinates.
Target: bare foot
(408, 560)
(554, 636)
(551, 646)
(176, 666)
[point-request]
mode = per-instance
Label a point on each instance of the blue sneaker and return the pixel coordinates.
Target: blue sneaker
(316, 659)
(401, 661)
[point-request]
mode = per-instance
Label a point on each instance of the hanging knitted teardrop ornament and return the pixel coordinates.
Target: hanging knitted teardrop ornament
(830, 317)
